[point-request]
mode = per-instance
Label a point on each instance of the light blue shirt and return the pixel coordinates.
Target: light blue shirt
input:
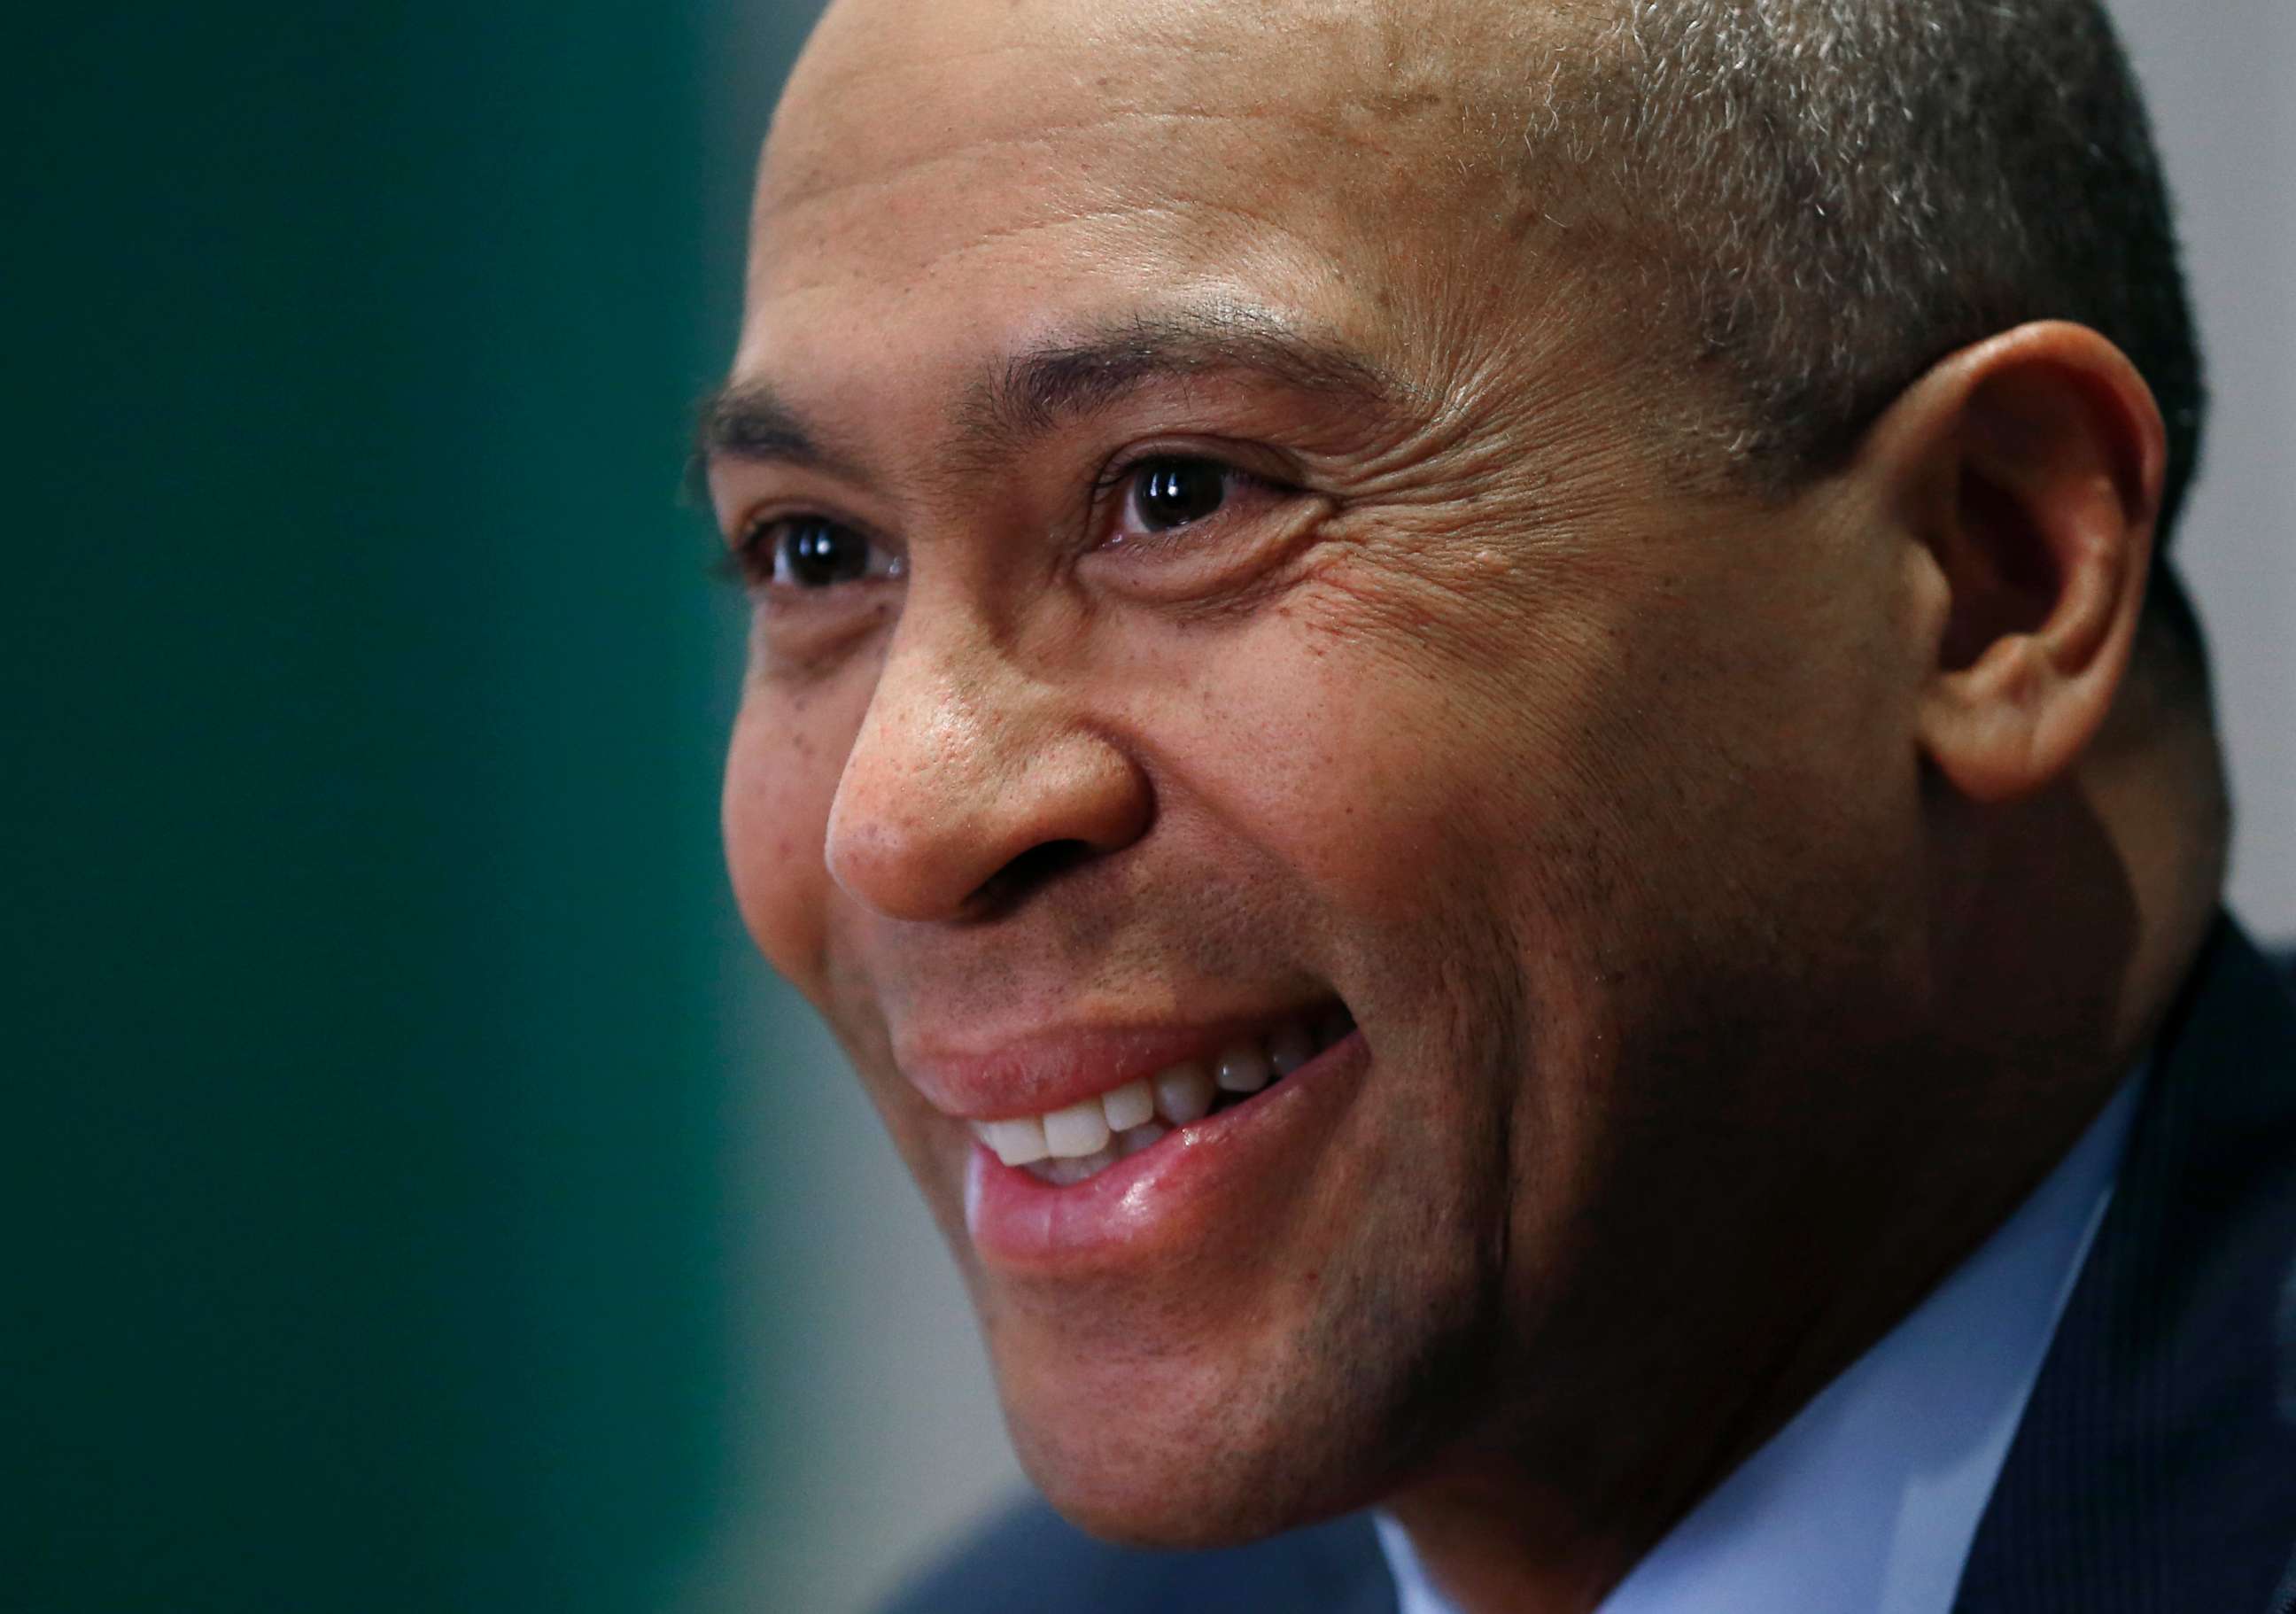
(1867, 1501)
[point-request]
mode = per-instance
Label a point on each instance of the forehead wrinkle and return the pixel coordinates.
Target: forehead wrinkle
(1031, 82)
(1185, 211)
(822, 182)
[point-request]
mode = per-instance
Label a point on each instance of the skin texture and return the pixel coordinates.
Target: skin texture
(1736, 894)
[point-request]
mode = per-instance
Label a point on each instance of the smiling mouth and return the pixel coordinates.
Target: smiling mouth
(1067, 1145)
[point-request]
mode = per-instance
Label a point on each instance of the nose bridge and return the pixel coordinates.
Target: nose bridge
(966, 762)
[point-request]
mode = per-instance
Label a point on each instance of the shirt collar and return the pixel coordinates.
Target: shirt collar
(1869, 1498)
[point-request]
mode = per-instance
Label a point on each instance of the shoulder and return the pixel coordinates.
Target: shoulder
(2156, 1450)
(1029, 1560)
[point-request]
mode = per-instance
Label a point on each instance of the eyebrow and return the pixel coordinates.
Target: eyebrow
(1039, 390)
(1036, 391)
(750, 420)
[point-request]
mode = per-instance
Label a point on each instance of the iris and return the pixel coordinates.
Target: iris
(819, 553)
(1173, 493)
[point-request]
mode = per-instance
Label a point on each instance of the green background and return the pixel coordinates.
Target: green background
(366, 936)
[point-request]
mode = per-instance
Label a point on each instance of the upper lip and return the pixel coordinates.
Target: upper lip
(1050, 1067)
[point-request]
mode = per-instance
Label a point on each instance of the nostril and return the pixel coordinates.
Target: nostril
(1033, 870)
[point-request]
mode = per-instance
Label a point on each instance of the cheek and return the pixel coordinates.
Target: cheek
(1373, 779)
(781, 770)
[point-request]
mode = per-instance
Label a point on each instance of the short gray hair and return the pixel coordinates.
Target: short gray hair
(1844, 192)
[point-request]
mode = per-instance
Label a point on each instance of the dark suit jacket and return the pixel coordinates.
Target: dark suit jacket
(2154, 1472)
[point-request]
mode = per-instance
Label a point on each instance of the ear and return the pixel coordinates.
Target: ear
(2028, 468)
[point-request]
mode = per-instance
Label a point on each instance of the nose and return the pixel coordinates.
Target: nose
(970, 783)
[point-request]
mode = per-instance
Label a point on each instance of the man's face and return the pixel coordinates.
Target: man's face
(1226, 566)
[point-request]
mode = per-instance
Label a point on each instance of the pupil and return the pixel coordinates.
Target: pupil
(822, 553)
(1172, 493)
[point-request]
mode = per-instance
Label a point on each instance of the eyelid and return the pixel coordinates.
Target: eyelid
(1262, 465)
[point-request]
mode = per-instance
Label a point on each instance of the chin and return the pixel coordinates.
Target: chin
(1217, 1446)
(1191, 1490)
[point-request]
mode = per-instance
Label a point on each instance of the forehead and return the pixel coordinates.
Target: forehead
(946, 174)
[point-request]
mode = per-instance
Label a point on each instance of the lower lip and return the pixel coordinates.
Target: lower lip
(1174, 1189)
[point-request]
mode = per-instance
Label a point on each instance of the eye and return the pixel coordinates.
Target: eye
(816, 553)
(1164, 493)
(813, 553)
(1179, 520)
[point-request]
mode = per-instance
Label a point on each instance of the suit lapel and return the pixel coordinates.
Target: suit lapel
(2155, 1467)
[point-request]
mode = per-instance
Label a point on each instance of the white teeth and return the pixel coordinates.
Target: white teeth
(1129, 1106)
(1080, 1129)
(1015, 1143)
(1070, 1144)
(1289, 1049)
(1184, 1092)
(1242, 1069)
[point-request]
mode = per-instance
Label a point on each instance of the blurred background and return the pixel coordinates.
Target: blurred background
(419, 1198)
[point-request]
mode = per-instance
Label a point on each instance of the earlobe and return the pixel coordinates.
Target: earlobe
(2034, 464)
